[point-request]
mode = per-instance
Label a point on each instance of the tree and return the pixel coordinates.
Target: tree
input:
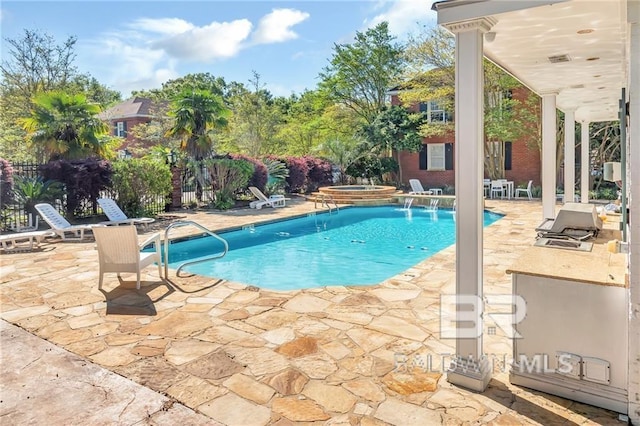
(156, 132)
(197, 113)
(197, 81)
(93, 90)
(67, 127)
(604, 147)
(360, 74)
(430, 72)
(396, 129)
(343, 153)
(36, 63)
(256, 120)
(138, 181)
(431, 77)
(39, 64)
(311, 119)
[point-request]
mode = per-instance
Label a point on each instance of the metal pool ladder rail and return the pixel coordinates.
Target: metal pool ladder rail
(190, 262)
(323, 202)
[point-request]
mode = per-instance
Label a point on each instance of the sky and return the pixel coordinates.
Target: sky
(136, 45)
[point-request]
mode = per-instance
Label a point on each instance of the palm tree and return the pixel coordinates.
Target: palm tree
(197, 113)
(67, 126)
(344, 152)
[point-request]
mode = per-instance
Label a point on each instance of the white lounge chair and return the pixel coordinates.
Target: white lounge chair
(23, 240)
(119, 251)
(416, 188)
(116, 215)
(59, 224)
(263, 200)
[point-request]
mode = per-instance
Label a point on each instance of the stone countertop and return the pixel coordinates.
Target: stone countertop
(595, 267)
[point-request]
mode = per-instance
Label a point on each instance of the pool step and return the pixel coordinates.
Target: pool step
(347, 199)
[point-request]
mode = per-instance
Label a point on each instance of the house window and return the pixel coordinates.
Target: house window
(436, 157)
(121, 129)
(434, 112)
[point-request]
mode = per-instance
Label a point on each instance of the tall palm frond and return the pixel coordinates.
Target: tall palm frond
(197, 113)
(67, 126)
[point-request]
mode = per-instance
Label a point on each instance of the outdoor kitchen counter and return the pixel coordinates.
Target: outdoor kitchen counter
(597, 266)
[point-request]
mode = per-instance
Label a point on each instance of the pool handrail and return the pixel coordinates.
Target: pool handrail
(190, 262)
(323, 202)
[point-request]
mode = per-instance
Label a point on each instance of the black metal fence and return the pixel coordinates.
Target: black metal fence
(188, 182)
(14, 217)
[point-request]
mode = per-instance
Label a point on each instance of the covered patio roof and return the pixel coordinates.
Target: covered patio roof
(576, 49)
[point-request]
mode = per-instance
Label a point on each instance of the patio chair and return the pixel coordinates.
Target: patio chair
(60, 225)
(116, 215)
(487, 186)
(526, 190)
(119, 251)
(263, 200)
(416, 188)
(497, 187)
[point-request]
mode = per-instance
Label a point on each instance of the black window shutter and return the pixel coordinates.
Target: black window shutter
(423, 157)
(115, 128)
(507, 155)
(448, 156)
(124, 128)
(423, 106)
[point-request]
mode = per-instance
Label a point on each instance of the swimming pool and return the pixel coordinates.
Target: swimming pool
(356, 246)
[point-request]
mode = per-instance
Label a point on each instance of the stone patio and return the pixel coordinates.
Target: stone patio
(246, 356)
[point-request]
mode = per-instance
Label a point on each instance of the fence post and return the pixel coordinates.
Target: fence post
(176, 184)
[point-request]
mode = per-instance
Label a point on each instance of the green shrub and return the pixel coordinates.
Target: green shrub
(277, 173)
(228, 176)
(31, 191)
(83, 181)
(605, 194)
(137, 182)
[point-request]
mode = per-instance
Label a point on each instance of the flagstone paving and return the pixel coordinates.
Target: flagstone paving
(246, 356)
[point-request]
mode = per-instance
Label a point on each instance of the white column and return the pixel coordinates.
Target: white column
(470, 369)
(569, 156)
(633, 156)
(549, 155)
(585, 164)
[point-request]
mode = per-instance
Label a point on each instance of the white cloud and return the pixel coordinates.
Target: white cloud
(146, 52)
(204, 44)
(127, 66)
(275, 27)
(170, 26)
(402, 15)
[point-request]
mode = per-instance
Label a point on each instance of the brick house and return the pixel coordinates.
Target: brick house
(434, 165)
(125, 116)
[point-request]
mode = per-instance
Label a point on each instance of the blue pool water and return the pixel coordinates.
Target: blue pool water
(356, 246)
